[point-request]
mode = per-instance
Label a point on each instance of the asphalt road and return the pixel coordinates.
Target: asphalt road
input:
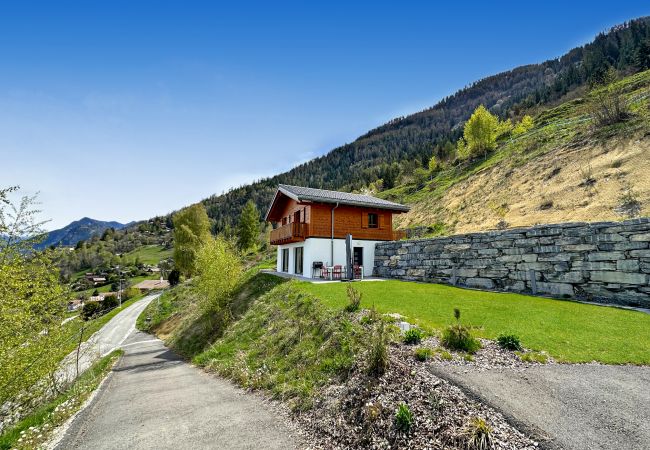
(153, 399)
(567, 406)
(107, 339)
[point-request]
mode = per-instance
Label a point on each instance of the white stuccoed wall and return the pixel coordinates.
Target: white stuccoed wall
(319, 249)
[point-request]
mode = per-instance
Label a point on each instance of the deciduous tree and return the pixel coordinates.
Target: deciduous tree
(191, 231)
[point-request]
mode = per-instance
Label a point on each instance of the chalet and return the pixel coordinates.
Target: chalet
(315, 228)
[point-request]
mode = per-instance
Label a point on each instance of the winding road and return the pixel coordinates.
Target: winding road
(154, 399)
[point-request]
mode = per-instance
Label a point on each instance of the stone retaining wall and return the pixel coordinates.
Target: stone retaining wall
(606, 262)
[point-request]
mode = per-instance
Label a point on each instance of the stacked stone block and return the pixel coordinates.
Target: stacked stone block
(606, 262)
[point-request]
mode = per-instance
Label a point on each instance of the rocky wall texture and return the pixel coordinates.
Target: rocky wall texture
(607, 262)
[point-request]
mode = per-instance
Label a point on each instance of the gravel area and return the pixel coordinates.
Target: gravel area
(360, 413)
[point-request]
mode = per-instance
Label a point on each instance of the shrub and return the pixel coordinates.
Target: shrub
(445, 355)
(459, 337)
(91, 310)
(403, 418)
(110, 302)
(608, 105)
(174, 277)
(423, 353)
(354, 298)
(378, 360)
(479, 434)
(413, 336)
(509, 342)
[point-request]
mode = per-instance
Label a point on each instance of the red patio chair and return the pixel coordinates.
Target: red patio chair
(337, 272)
(356, 272)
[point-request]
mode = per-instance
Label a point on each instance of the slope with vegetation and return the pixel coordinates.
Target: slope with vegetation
(575, 163)
(388, 156)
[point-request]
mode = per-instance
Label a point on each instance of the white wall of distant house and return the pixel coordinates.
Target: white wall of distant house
(319, 249)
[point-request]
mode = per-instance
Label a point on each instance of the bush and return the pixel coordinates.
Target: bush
(413, 336)
(423, 354)
(378, 361)
(403, 418)
(509, 342)
(354, 298)
(91, 310)
(174, 277)
(479, 434)
(110, 302)
(459, 337)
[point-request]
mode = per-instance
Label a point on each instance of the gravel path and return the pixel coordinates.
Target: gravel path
(586, 406)
(153, 399)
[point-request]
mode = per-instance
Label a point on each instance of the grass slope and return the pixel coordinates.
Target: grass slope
(288, 343)
(149, 254)
(568, 331)
(37, 427)
(546, 166)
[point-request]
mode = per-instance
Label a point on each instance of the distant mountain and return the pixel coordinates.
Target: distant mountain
(79, 230)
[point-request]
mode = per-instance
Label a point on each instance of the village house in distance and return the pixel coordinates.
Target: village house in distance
(311, 227)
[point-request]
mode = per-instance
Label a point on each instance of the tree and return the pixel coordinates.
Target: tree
(524, 126)
(480, 132)
(191, 231)
(32, 303)
(219, 270)
(248, 229)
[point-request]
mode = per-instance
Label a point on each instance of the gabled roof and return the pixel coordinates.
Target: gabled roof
(306, 194)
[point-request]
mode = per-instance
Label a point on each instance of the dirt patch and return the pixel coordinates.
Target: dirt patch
(592, 182)
(167, 327)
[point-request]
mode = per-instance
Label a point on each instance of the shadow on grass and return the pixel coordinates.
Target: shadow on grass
(196, 331)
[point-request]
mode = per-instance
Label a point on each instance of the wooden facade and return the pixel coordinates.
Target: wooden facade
(295, 221)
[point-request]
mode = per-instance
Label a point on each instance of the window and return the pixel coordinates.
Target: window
(373, 220)
(297, 262)
(285, 260)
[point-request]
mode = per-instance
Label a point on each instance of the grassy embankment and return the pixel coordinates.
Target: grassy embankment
(290, 338)
(34, 430)
(568, 331)
(577, 171)
(281, 338)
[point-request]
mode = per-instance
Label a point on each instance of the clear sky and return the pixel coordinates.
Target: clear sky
(121, 110)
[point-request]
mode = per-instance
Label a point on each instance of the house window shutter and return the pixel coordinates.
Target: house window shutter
(382, 221)
(364, 220)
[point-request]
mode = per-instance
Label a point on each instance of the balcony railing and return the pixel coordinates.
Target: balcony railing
(291, 232)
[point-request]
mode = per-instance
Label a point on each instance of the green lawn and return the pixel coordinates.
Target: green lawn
(568, 331)
(149, 254)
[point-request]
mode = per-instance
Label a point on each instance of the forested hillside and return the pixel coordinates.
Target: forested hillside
(395, 149)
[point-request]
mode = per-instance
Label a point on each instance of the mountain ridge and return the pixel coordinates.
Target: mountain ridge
(78, 230)
(400, 145)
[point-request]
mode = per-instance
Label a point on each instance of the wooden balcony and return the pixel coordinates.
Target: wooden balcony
(291, 232)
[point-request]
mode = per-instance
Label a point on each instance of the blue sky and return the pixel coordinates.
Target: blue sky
(125, 110)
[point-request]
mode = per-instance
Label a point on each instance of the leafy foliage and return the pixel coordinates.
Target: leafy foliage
(219, 269)
(32, 301)
(381, 156)
(191, 231)
(248, 229)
